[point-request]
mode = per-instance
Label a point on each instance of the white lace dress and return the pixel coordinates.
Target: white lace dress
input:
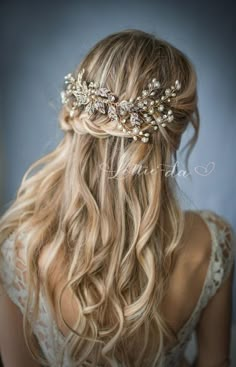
(51, 339)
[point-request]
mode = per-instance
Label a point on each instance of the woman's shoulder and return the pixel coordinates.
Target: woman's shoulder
(200, 267)
(204, 261)
(219, 230)
(213, 239)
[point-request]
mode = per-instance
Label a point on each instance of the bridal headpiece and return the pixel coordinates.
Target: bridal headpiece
(147, 109)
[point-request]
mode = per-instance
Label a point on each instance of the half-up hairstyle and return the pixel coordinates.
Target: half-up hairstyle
(111, 230)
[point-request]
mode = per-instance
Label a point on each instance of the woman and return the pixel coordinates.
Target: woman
(100, 266)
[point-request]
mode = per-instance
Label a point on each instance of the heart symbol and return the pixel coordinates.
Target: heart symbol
(205, 171)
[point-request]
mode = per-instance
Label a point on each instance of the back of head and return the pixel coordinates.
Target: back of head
(112, 227)
(124, 62)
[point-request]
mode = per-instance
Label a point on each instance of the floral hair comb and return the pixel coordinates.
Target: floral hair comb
(130, 115)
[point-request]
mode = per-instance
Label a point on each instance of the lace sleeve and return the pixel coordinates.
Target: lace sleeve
(13, 269)
(225, 250)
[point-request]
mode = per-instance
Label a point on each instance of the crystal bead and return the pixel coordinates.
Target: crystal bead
(177, 84)
(135, 130)
(157, 84)
(135, 138)
(144, 139)
(161, 108)
(155, 127)
(163, 124)
(170, 112)
(170, 118)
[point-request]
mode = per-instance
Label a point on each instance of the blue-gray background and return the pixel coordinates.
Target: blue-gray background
(45, 40)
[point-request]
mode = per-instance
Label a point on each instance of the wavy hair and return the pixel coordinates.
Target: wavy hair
(114, 235)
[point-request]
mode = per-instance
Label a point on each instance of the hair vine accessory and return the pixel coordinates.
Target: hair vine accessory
(144, 110)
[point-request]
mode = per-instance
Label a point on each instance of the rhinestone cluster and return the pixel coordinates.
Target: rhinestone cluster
(130, 115)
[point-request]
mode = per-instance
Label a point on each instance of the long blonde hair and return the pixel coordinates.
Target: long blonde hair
(114, 237)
